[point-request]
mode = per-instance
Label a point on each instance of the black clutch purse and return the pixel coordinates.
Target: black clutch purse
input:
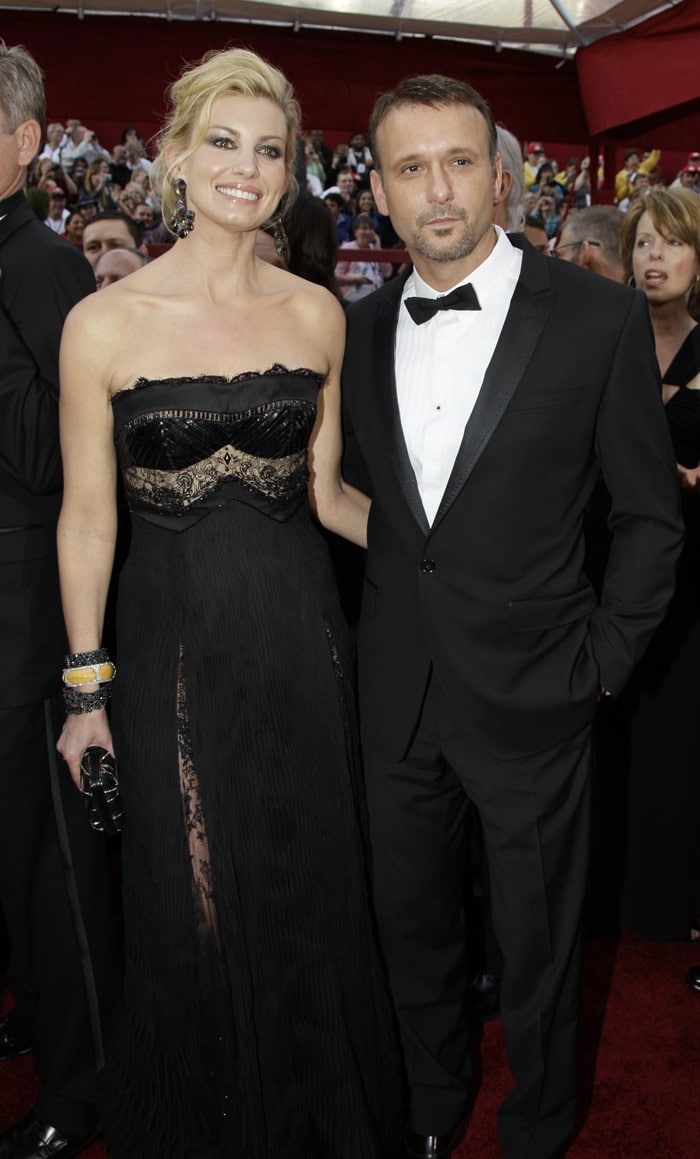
(100, 787)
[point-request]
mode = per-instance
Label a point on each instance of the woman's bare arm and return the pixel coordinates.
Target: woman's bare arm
(337, 505)
(88, 520)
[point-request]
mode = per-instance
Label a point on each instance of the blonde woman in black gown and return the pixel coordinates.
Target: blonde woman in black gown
(255, 1018)
(661, 896)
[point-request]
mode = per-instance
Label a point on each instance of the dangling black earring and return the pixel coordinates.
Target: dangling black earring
(182, 221)
(280, 238)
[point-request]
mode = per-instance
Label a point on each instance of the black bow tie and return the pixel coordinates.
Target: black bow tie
(422, 309)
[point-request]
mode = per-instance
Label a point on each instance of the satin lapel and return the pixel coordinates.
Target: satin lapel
(385, 380)
(521, 332)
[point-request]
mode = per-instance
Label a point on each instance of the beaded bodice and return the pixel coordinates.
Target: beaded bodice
(189, 445)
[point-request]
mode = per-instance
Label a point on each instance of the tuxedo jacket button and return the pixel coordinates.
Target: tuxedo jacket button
(428, 565)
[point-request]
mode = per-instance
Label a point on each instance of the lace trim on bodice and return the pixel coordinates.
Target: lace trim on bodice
(222, 379)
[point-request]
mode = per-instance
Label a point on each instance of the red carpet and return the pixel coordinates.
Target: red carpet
(640, 1060)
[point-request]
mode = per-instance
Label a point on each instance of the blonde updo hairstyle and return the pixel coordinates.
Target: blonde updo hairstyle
(675, 213)
(231, 72)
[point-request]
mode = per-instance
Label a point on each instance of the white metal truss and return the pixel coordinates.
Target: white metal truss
(559, 26)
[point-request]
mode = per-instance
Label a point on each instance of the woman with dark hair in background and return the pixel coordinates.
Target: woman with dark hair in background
(73, 228)
(546, 176)
(312, 243)
(365, 203)
(312, 253)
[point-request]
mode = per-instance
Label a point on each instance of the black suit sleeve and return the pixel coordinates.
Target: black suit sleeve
(31, 321)
(639, 470)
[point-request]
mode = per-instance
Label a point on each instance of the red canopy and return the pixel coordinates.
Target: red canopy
(113, 70)
(645, 82)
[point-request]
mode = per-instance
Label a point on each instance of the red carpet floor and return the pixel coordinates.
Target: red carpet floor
(640, 1060)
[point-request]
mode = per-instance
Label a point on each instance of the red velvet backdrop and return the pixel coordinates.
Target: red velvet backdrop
(112, 71)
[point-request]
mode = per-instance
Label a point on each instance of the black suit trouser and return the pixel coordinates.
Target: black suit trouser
(535, 817)
(64, 966)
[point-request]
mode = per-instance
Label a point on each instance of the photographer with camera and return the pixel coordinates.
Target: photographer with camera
(547, 209)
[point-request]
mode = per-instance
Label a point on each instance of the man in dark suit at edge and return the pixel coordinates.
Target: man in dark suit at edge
(53, 882)
(482, 426)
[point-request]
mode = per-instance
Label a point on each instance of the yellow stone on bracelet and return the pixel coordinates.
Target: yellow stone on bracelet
(90, 674)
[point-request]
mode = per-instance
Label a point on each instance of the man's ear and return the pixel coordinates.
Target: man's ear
(506, 186)
(28, 136)
(375, 181)
(586, 255)
(498, 177)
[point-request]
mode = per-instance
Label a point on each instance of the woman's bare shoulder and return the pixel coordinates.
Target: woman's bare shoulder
(90, 320)
(105, 304)
(117, 310)
(102, 330)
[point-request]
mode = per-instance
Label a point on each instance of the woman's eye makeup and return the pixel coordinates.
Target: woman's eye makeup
(266, 149)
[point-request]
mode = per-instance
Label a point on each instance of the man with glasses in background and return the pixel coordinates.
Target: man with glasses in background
(591, 239)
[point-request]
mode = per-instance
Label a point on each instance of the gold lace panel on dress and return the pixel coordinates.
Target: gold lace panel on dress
(198, 845)
(180, 489)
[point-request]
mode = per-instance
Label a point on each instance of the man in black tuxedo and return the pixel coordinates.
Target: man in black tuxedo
(480, 423)
(53, 883)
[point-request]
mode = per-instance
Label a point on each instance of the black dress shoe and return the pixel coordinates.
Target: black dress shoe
(13, 1039)
(483, 998)
(694, 977)
(431, 1146)
(30, 1139)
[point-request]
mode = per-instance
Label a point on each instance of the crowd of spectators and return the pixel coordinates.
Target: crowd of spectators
(553, 196)
(76, 180)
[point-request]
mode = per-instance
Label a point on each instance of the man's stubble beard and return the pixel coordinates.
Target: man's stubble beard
(427, 247)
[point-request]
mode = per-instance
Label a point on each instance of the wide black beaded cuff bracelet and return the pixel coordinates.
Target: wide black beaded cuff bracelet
(78, 702)
(77, 659)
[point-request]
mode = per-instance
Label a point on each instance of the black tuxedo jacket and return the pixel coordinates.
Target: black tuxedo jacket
(494, 595)
(41, 278)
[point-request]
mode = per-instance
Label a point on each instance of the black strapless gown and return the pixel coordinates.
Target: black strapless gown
(256, 1021)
